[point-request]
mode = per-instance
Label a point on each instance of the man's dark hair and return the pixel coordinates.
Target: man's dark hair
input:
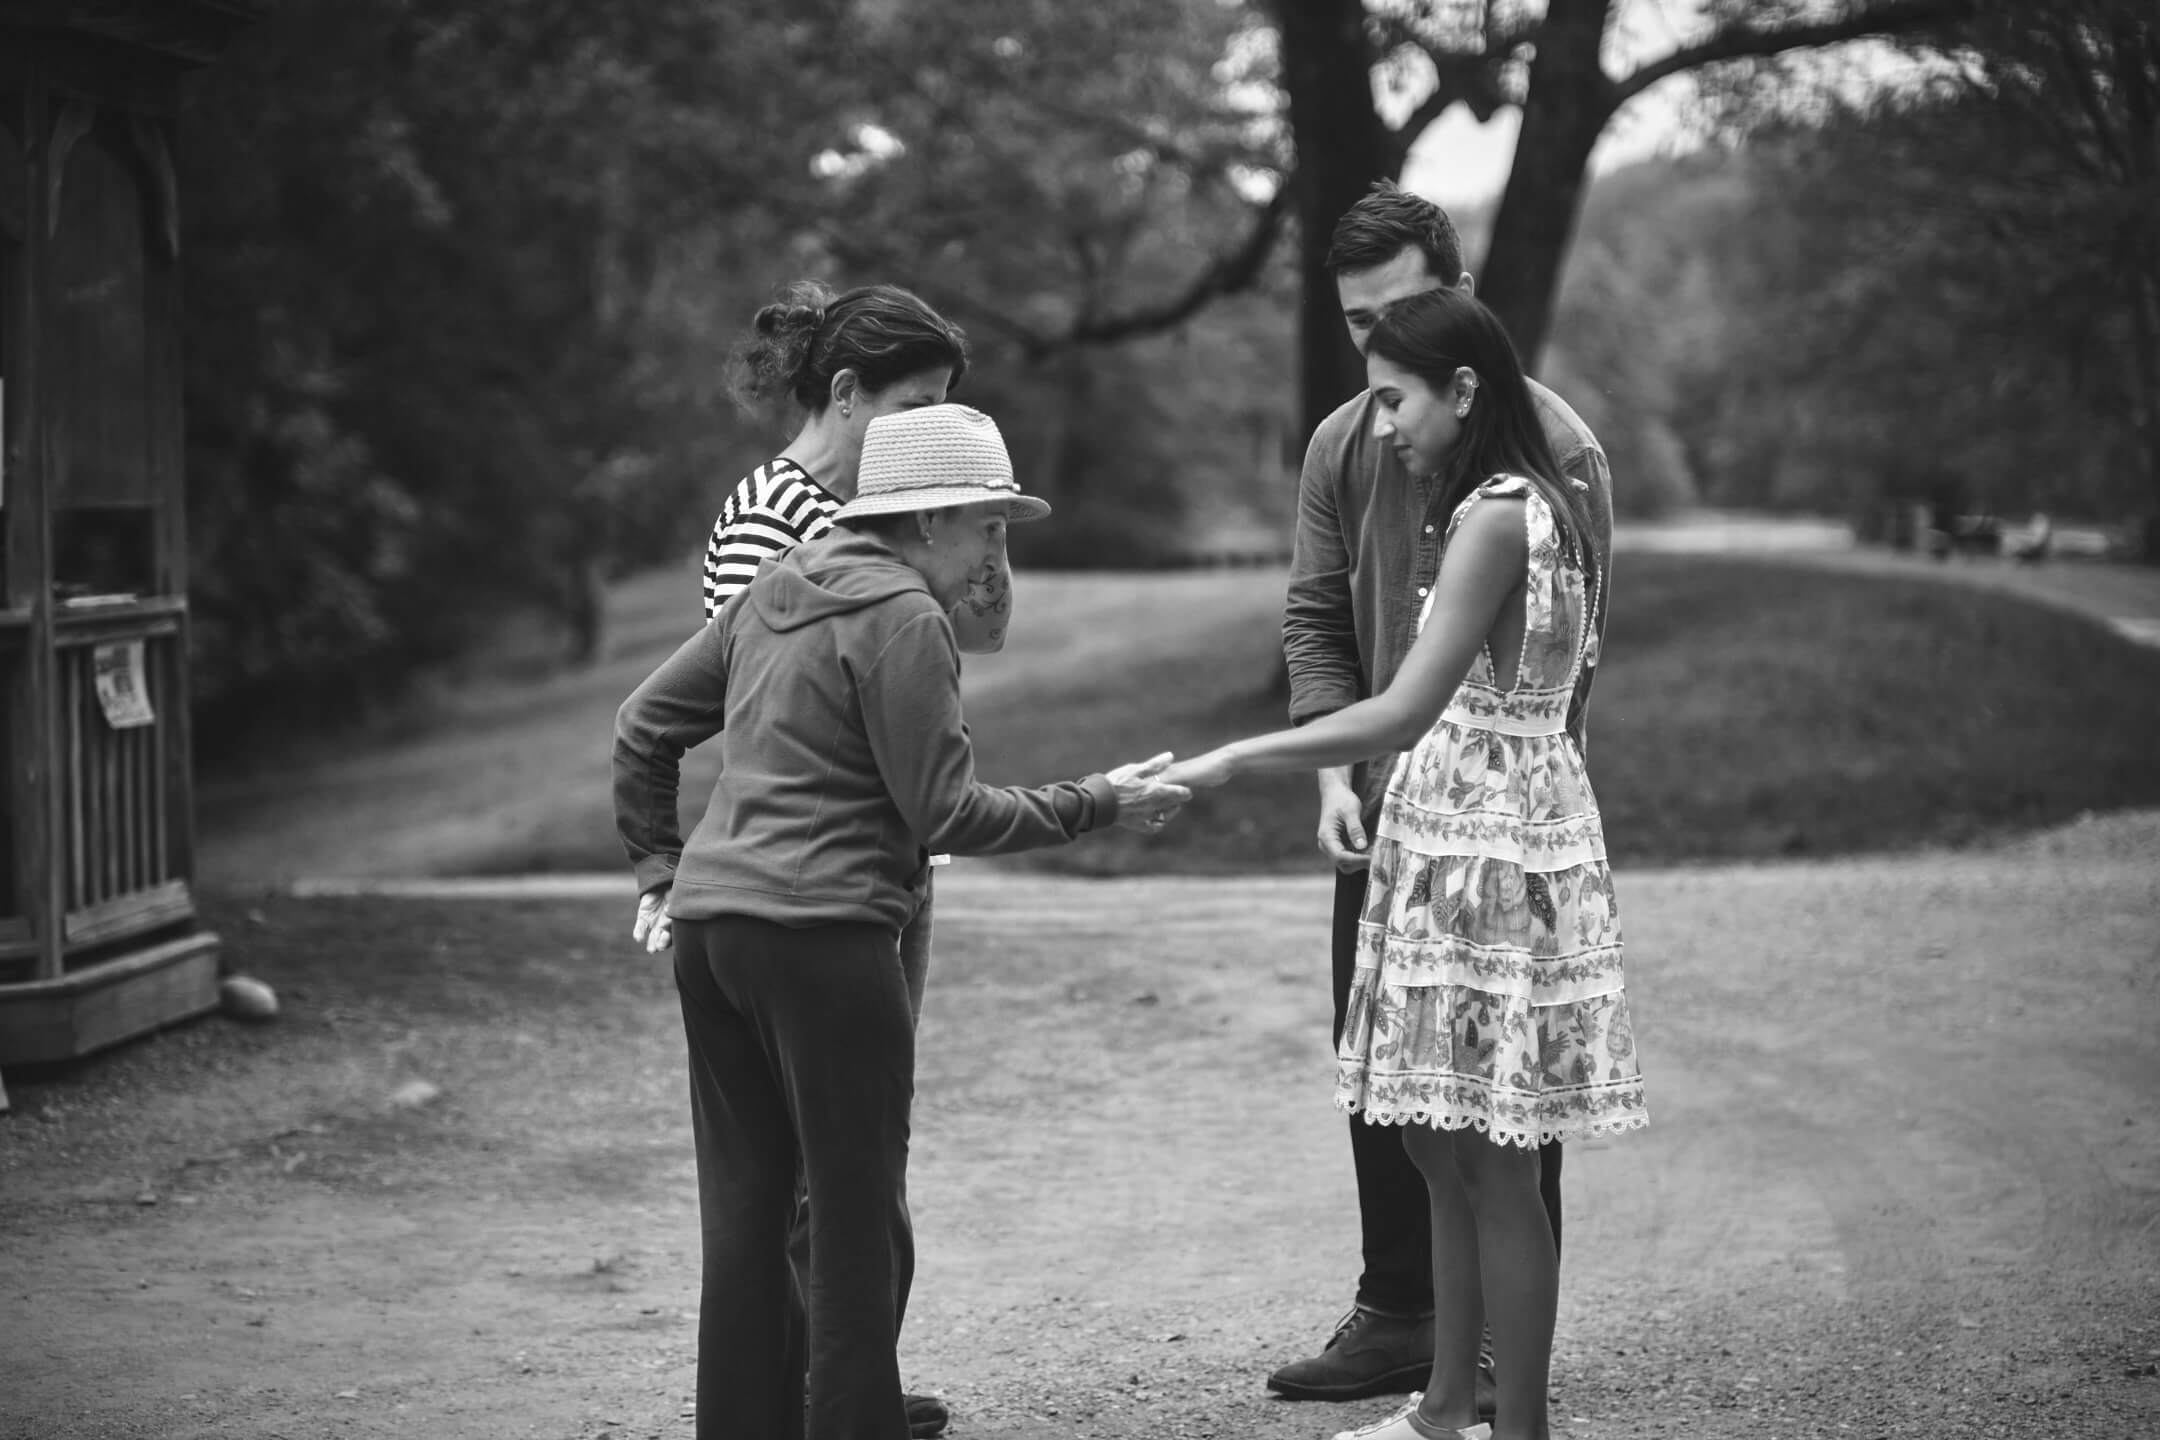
(1388, 221)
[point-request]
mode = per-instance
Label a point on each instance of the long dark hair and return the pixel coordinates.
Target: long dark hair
(800, 341)
(1435, 334)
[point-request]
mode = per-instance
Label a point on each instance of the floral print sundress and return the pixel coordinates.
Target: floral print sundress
(1488, 990)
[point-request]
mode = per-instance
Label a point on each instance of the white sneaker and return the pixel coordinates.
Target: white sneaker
(1404, 1424)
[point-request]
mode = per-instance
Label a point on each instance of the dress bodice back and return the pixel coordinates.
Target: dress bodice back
(1557, 633)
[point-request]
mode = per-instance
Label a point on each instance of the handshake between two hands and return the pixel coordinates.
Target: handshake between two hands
(1149, 792)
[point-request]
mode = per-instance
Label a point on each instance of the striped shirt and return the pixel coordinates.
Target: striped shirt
(775, 508)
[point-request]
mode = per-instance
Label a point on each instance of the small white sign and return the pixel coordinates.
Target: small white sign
(117, 668)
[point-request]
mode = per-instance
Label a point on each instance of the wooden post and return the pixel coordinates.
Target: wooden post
(175, 811)
(18, 558)
(30, 526)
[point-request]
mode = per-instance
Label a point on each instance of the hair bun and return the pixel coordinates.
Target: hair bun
(783, 316)
(807, 335)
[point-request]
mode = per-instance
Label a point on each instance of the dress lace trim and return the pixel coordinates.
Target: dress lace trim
(1451, 1120)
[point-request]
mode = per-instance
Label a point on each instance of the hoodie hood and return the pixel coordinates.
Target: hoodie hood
(836, 574)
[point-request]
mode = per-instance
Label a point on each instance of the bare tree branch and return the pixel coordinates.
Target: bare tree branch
(1230, 273)
(1740, 42)
(1207, 160)
(1471, 77)
(1473, 80)
(2084, 74)
(847, 244)
(1428, 110)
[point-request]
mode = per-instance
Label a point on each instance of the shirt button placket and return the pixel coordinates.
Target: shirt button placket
(1428, 557)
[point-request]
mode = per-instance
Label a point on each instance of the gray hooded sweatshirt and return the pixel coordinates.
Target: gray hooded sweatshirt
(833, 682)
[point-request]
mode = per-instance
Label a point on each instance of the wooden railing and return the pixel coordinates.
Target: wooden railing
(118, 798)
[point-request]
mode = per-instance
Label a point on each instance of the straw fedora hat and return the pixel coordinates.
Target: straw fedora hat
(932, 458)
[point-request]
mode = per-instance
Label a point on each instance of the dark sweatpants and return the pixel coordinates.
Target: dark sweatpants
(802, 1052)
(915, 971)
(1393, 1209)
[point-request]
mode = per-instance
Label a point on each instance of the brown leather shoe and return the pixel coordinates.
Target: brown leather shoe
(1369, 1354)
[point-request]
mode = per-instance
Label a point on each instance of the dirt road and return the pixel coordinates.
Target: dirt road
(459, 791)
(1903, 1176)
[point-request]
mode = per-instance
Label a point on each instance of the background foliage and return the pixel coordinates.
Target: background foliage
(462, 278)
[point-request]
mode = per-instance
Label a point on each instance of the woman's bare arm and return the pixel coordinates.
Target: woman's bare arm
(1483, 569)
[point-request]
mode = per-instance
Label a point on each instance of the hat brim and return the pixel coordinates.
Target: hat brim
(1018, 507)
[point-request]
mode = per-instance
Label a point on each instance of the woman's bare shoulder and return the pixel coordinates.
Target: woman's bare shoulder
(1493, 522)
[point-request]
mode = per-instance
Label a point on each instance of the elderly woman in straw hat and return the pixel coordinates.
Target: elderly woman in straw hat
(833, 684)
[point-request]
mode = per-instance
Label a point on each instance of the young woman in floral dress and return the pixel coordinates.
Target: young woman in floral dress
(1488, 1012)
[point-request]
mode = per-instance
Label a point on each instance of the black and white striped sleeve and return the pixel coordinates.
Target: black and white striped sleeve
(746, 538)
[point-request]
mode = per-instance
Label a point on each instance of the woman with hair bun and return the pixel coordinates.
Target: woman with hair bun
(840, 361)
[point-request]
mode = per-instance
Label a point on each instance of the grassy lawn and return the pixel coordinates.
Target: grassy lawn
(1748, 709)
(1754, 711)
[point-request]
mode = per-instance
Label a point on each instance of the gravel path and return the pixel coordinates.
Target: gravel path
(1902, 1178)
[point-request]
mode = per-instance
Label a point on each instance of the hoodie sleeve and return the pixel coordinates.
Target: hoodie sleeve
(680, 705)
(911, 713)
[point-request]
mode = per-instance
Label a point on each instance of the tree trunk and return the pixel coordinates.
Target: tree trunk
(1342, 148)
(2135, 79)
(2145, 388)
(1568, 104)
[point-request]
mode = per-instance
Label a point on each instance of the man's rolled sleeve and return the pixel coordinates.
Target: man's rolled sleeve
(1588, 465)
(1320, 645)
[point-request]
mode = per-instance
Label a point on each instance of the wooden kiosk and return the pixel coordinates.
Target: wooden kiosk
(98, 935)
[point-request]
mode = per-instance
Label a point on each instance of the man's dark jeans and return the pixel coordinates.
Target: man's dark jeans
(802, 1053)
(1393, 1209)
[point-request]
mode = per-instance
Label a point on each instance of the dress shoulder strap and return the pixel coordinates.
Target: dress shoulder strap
(1542, 535)
(1497, 488)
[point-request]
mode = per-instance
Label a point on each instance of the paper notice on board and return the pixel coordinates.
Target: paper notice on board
(117, 668)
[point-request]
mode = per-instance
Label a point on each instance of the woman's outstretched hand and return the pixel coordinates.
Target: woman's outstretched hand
(1202, 772)
(653, 929)
(1145, 801)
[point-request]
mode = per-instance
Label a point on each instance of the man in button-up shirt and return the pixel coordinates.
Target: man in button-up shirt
(1369, 536)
